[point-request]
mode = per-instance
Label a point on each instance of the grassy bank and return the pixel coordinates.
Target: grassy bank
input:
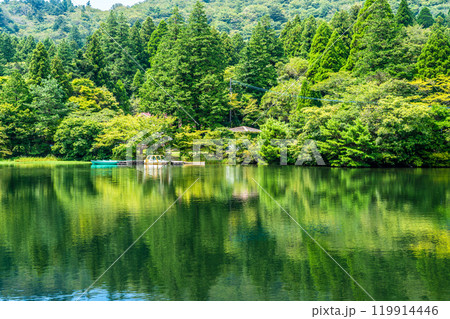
(39, 160)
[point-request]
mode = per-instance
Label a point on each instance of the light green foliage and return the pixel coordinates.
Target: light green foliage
(273, 130)
(281, 100)
(435, 91)
(112, 142)
(293, 69)
(88, 97)
(406, 135)
(76, 135)
(259, 57)
(319, 43)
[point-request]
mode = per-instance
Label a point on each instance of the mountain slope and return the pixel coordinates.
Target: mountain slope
(54, 19)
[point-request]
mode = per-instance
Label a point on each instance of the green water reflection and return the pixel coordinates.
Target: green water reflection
(61, 226)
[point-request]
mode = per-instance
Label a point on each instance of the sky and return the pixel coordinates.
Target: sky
(106, 4)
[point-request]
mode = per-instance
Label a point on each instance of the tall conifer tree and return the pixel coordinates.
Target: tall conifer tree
(425, 18)
(435, 57)
(257, 66)
(39, 68)
(404, 15)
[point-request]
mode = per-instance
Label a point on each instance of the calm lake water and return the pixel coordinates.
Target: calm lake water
(62, 226)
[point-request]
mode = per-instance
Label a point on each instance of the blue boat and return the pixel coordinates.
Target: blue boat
(103, 163)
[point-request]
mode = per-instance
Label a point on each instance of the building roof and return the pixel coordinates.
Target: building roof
(244, 129)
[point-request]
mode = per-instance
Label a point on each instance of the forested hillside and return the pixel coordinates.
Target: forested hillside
(55, 18)
(370, 86)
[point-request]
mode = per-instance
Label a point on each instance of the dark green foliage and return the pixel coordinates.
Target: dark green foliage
(75, 37)
(148, 26)
(8, 48)
(59, 74)
(96, 59)
(186, 79)
(190, 66)
(342, 24)
(137, 46)
(49, 108)
(39, 65)
(76, 135)
(435, 57)
(156, 38)
(138, 80)
(404, 15)
(334, 59)
(257, 64)
(237, 44)
(307, 96)
(425, 18)
(291, 37)
(376, 44)
(66, 55)
(121, 96)
(319, 42)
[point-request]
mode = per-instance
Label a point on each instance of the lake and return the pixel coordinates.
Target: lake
(226, 238)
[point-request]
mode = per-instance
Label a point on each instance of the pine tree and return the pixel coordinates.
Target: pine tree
(15, 91)
(307, 96)
(292, 38)
(425, 18)
(7, 47)
(263, 51)
(341, 23)
(26, 45)
(137, 46)
(156, 39)
(120, 93)
(60, 75)
(376, 43)
(95, 56)
(334, 59)
(66, 55)
(75, 37)
(39, 67)
(435, 57)
(319, 42)
(190, 66)
(404, 15)
(148, 26)
(138, 80)
(238, 44)
(308, 32)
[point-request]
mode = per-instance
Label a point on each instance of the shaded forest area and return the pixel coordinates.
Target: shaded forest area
(370, 86)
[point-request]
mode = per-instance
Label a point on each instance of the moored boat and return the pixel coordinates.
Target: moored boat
(108, 162)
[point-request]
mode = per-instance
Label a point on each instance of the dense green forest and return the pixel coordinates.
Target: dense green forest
(55, 18)
(371, 85)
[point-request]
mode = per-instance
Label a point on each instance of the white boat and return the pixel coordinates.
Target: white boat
(155, 160)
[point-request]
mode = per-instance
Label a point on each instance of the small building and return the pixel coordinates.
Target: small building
(244, 129)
